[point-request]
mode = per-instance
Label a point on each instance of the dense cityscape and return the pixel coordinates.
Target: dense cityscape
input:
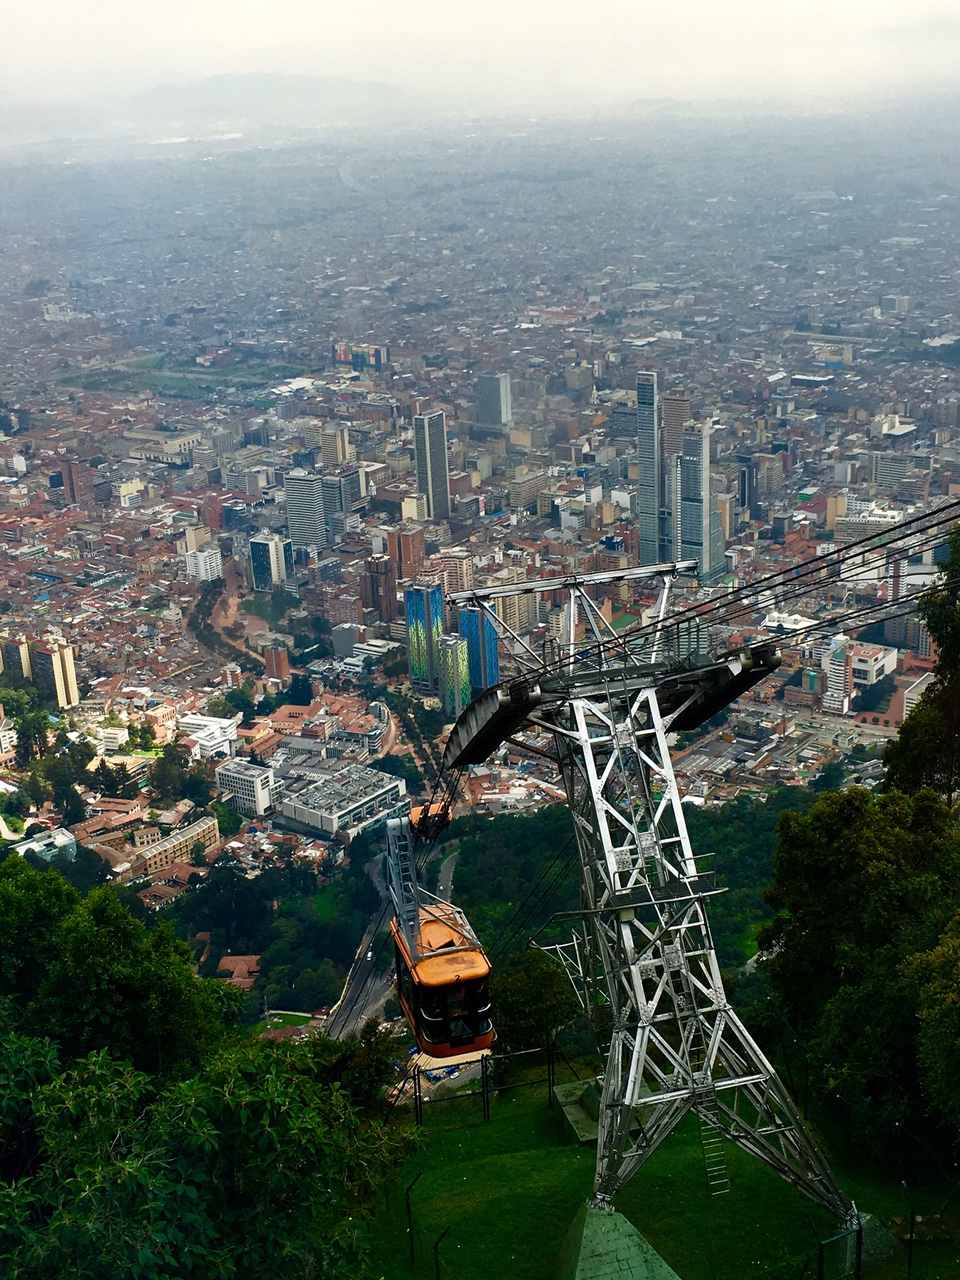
(273, 407)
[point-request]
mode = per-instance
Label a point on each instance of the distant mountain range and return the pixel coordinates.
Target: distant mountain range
(216, 104)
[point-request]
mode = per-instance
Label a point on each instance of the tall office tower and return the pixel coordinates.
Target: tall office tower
(54, 673)
(78, 480)
(271, 561)
(276, 661)
(482, 654)
(433, 471)
(195, 536)
(206, 563)
(454, 674)
(16, 657)
(456, 564)
(675, 413)
(335, 446)
(304, 490)
(701, 534)
(494, 405)
(380, 584)
(341, 498)
(406, 548)
(649, 461)
(748, 496)
(424, 601)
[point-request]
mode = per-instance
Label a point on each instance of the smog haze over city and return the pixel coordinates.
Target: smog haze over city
(357, 362)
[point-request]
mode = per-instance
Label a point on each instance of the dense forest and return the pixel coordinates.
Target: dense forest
(142, 1135)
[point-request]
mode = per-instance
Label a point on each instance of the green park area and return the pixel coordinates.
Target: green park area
(509, 1190)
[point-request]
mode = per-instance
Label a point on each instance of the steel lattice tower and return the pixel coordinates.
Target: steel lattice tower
(642, 959)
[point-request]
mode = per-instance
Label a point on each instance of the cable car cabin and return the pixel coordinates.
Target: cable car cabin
(445, 993)
(428, 821)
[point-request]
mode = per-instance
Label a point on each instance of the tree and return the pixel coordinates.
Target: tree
(32, 734)
(855, 874)
(865, 884)
(169, 772)
(532, 1000)
(265, 1162)
(89, 976)
(301, 690)
(830, 778)
(401, 767)
(33, 905)
(926, 752)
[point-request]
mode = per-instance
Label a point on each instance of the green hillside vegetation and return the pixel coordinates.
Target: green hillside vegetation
(142, 1137)
(306, 941)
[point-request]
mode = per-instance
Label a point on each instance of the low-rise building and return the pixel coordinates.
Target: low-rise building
(208, 736)
(345, 800)
(247, 787)
(49, 845)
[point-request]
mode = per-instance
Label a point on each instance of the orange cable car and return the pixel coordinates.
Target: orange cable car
(443, 975)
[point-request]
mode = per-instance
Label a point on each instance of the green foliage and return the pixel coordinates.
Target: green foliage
(304, 953)
(926, 752)
(830, 778)
(533, 1001)
(262, 1164)
(89, 976)
(300, 692)
(742, 836)
(501, 860)
(401, 767)
(174, 778)
(228, 820)
(865, 885)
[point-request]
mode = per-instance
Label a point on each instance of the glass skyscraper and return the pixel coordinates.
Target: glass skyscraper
(649, 465)
(424, 602)
(454, 674)
(305, 508)
(701, 532)
(482, 653)
(433, 470)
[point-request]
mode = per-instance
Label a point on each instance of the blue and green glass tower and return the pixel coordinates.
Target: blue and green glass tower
(454, 674)
(424, 601)
(482, 654)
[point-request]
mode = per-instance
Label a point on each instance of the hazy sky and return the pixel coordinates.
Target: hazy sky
(509, 50)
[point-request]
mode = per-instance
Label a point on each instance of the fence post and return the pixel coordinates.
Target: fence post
(485, 1086)
(858, 1265)
(551, 1073)
(410, 1214)
(436, 1252)
(417, 1097)
(913, 1223)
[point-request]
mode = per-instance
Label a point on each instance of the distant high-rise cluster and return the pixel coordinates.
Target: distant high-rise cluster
(677, 513)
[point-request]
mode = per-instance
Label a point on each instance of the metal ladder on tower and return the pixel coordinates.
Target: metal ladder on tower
(704, 1092)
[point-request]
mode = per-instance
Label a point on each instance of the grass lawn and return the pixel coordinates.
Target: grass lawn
(261, 606)
(274, 1020)
(325, 904)
(509, 1191)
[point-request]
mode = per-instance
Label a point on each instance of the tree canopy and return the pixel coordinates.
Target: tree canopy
(264, 1162)
(868, 894)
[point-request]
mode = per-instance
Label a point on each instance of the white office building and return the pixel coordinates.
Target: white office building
(247, 787)
(206, 563)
